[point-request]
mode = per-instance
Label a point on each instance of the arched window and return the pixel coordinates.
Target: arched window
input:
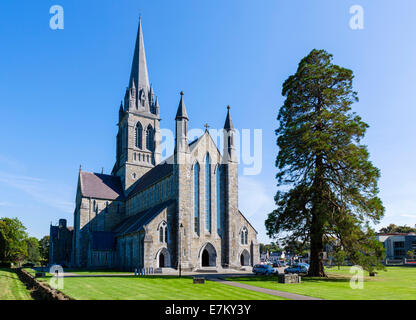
(196, 198)
(207, 194)
(139, 135)
(244, 236)
(218, 198)
(150, 138)
(163, 232)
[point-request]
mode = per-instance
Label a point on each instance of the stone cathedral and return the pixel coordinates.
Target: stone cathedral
(149, 213)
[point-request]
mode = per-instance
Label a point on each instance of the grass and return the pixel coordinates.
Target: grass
(11, 288)
(396, 283)
(154, 288)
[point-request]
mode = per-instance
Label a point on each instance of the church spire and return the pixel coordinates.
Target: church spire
(181, 113)
(138, 74)
(228, 125)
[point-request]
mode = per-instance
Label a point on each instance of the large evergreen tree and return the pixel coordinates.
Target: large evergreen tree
(330, 184)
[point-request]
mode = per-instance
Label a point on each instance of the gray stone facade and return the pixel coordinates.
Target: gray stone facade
(152, 214)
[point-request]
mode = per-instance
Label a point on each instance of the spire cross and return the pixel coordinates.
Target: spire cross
(206, 127)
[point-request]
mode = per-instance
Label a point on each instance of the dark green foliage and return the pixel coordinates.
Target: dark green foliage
(44, 249)
(331, 186)
(392, 228)
(13, 246)
(272, 247)
(33, 252)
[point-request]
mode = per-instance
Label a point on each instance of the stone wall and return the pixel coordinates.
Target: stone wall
(40, 290)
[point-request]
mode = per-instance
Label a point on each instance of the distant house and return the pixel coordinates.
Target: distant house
(276, 256)
(397, 244)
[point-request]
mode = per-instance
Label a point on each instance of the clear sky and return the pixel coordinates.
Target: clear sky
(60, 89)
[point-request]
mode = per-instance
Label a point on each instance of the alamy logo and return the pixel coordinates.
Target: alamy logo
(57, 20)
(247, 145)
(57, 280)
(357, 280)
(357, 20)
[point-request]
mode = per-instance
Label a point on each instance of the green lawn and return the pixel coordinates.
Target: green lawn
(154, 288)
(11, 288)
(397, 283)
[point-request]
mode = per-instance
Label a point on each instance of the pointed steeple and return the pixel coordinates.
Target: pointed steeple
(181, 113)
(138, 74)
(228, 125)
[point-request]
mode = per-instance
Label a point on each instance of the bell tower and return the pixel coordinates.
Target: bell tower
(138, 137)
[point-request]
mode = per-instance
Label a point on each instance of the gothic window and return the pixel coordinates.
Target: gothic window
(163, 232)
(150, 138)
(139, 135)
(207, 194)
(244, 236)
(196, 198)
(218, 198)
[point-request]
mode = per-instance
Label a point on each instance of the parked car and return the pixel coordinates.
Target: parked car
(277, 264)
(264, 269)
(297, 268)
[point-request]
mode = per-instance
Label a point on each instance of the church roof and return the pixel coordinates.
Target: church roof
(135, 223)
(101, 186)
(152, 176)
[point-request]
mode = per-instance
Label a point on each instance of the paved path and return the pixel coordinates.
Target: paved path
(283, 294)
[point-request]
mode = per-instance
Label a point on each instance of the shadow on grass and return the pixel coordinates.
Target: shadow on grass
(274, 279)
(115, 276)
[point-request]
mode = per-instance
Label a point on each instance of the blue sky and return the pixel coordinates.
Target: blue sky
(60, 89)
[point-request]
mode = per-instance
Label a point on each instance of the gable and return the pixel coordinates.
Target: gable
(204, 144)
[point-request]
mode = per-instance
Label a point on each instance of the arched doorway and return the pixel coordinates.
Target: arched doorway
(245, 258)
(208, 256)
(205, 258)
(163, 258)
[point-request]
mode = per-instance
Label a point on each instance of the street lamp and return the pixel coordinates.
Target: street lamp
(180, 248)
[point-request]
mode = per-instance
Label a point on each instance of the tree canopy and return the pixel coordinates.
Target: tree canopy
(13, 246)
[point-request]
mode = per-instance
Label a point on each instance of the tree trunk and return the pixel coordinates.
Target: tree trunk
(316, 268)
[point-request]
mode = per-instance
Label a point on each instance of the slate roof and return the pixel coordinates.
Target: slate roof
(135, 223)
(101, 186)
(153, 175)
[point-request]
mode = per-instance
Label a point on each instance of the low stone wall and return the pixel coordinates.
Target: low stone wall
(40, 290)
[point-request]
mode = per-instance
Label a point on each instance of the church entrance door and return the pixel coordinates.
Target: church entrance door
(161, 260)
(245, 258)
(205, 258)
